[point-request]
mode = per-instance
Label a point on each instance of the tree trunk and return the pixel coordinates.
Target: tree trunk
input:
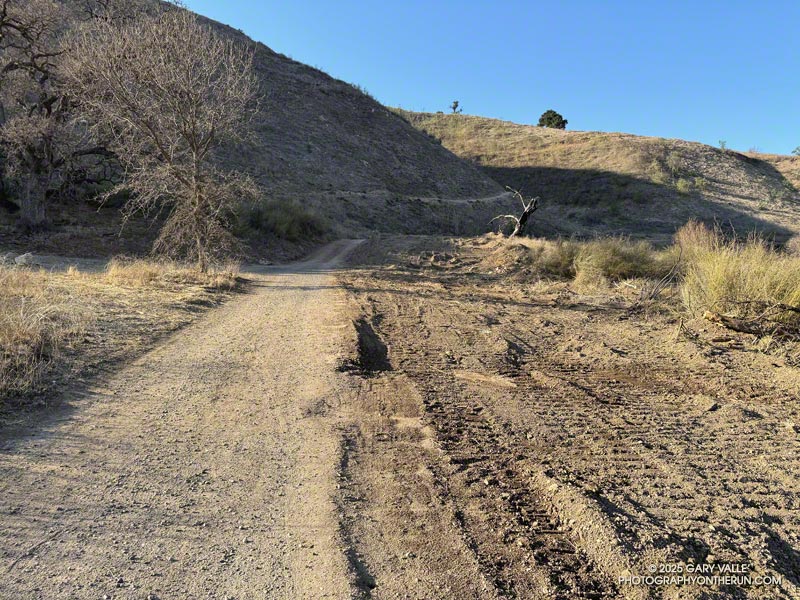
(32, 204)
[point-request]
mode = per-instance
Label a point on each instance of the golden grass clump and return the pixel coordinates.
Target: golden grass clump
(616, 259)
(744, 280)
(149, 273)
(550, 258)
(597, 262)
(35, 322)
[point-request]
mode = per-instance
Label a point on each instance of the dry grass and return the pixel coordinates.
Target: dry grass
(748, 280)
(594, 183)
(36, 320)
(137, 273)
(615, 259)
(743, 279)
(43, 313)
(597, 262)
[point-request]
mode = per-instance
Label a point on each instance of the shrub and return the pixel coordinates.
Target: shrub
(684, 186)
(598, 261)
(558, 258)
(695, 238)
(674, 163)
(285, 219)
(657, 173)
(701, 183)
(615, 259)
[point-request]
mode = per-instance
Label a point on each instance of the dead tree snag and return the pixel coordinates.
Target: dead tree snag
(528, 208)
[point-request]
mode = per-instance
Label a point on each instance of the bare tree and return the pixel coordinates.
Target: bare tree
(167, 94)
(528, 208)
(31, 109)
(45, 155)
(119, 11)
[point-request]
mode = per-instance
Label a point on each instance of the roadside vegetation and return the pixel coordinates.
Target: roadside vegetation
(748, 285)
(284, 219)
(139, 106)
(135, 104)
(597, 262)
(46, 314)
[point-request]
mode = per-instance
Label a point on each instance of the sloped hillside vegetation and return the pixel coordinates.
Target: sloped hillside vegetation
(315, 141)
(614, 183)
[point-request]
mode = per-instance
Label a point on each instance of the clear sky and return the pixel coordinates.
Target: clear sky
(703, 70)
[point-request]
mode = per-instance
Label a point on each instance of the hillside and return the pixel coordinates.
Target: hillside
(316, 136)
(600, 183)
(318, 141)
(334, 148)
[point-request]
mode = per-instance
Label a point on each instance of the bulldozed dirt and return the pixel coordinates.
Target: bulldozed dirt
(565, 445)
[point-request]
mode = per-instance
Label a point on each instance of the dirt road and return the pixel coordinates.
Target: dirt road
(199, 471)
(411, 426)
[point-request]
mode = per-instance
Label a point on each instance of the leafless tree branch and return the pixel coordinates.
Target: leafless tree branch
(528, 208)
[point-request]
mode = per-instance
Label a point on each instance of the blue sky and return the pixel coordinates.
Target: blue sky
(704, 71)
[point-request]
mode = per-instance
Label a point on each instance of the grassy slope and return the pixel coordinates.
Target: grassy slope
(618, 183)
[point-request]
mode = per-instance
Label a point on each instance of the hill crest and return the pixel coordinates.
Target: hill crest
(605, 183)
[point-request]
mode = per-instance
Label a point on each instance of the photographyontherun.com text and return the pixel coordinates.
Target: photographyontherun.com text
(706, 575)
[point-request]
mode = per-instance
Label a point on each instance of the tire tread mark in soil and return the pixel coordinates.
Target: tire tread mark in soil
(486, 464)
(363, 580)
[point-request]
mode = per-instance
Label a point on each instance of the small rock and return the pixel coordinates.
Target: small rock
(24, 259)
